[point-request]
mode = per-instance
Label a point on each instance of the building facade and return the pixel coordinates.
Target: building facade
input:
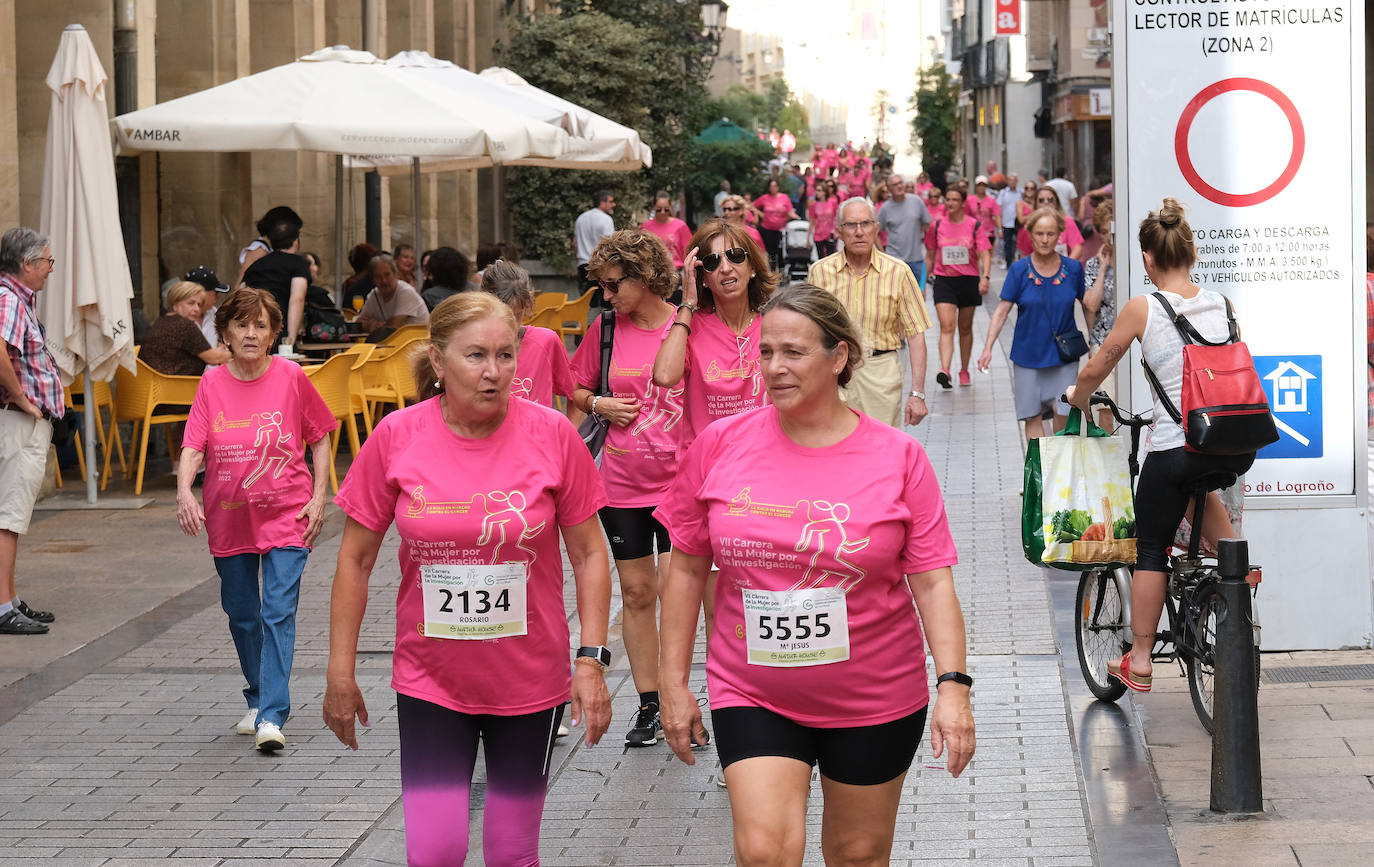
(180, 210)
(1069, 49)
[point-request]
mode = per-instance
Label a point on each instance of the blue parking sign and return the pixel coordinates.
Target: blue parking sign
(1294, 386)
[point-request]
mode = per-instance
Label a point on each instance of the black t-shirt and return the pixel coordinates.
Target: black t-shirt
(274, 273)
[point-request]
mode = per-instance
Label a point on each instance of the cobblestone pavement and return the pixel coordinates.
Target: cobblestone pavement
(135, 762)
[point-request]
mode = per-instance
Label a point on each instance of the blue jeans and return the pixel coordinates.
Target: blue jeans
(918, 269)
(264, 625)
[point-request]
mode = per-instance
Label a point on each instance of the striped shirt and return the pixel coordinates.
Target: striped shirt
(884, 301)
(24, 338)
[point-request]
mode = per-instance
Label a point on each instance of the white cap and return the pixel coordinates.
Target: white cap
(981, 179)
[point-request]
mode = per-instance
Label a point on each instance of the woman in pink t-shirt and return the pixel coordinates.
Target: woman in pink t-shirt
(1070, 241)
(480, 487)
(826, 525)
(541, 368)
(822, 217)
(249, 424)
(774, 210)
(959, 249)
(733, 210)
(672, 231)
(640, 456)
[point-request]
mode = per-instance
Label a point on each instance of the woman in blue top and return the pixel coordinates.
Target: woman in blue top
(1043, 286)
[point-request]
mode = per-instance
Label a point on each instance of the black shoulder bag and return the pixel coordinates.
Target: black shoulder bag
(593, 428)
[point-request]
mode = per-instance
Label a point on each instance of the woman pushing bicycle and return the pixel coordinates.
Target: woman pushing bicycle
(1164, 492)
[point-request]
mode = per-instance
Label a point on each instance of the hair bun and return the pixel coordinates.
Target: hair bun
(1170, 213)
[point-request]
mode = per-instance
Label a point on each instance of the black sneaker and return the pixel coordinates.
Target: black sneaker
(40, 616)
(12, 622)
(943, 379)
(646, 728)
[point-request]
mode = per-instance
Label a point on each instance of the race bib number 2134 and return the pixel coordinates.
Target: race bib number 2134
(474, 602)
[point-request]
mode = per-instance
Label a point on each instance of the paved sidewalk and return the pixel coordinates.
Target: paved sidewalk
(116, 746)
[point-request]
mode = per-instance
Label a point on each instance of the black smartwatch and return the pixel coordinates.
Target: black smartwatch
(956, 676)
(600, 654)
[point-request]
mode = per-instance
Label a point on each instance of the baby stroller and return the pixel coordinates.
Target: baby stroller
(796, 251)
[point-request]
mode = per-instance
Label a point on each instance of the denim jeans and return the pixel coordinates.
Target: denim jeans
(263, 625)
(918, 270)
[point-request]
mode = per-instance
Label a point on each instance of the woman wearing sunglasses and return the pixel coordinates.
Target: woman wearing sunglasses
(734, 211)
(635, 271)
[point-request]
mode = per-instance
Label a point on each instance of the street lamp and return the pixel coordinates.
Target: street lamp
(713, 20)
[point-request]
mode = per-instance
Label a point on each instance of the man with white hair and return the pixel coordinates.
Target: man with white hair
(30, 399)
(882, 297)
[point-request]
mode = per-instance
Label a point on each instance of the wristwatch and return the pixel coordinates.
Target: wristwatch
(920, 394)
(957, 676)
(600, 654)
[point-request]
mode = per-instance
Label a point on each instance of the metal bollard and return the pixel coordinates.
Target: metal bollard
(1235, 715)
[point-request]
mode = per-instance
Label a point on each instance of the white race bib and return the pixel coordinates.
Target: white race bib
(474, 602)
(788, 628)
(954, 255)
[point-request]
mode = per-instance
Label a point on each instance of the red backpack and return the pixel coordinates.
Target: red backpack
(1225, 409)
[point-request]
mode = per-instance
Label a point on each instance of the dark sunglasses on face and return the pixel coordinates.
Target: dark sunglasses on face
(711, 261)
(731, 209)
(611, 286)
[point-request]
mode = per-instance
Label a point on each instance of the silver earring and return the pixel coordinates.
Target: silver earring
(438, 384)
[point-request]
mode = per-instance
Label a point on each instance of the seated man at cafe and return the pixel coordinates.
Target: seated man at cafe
(391, 303)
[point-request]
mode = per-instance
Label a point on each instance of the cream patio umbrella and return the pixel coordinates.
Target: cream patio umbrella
(85, 306)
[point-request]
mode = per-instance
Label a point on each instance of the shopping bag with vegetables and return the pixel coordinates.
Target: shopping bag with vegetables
(1081, 513)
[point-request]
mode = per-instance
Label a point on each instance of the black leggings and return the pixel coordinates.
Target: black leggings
(772, 244)
(438, 754)
(1162, 496)
(825, 247)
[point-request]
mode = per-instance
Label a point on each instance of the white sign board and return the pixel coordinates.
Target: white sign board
(1230, 112)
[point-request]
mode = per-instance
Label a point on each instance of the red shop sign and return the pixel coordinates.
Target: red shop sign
(1008, 17)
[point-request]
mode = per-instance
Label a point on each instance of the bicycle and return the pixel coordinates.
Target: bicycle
(1103, 602)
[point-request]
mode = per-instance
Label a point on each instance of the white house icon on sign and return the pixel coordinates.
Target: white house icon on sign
(1290, 387)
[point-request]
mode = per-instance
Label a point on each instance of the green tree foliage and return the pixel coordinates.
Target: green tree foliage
(935, 126)
(775, 108)
(741, 105)
(737, 162)
(642, 63)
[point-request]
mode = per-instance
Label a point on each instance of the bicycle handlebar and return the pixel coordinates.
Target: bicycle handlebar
(1100, 398)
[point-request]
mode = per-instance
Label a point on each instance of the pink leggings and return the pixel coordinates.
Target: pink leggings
(438, 752)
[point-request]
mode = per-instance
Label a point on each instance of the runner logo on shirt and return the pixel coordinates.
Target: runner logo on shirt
(270, 437)
(665, 405)
(221, 424)
(504, 525)
(824, 536)
(522, 387)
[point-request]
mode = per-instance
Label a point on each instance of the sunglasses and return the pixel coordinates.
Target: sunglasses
(612, 286)
(663, 210)
(711, 261)
(731, 209)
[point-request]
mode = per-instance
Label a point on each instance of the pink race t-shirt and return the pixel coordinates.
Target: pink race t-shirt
(675, 234)
(722, 374)
(822, 216)
(921, 187)
(986, 210)
(775, 209)
(960, 234)
(753, 233)
(541, 367)
(775, 516)
(253, 434)
(845, 184)
(1068, 239)
(473, 502)
(639, 460)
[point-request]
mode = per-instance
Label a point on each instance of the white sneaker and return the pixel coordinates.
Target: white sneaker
(249, 724)
(269, 738)
(563, 731)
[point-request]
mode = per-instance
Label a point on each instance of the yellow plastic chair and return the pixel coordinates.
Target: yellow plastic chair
(331, 381)
(104, 402)
(575, 313)
(551, 318)
(143, 399)
(404, 335)
(387, 378)
(547, 301)
(357, 391)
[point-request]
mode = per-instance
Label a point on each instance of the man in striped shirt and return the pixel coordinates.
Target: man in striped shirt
(30, 398)
(882, 298)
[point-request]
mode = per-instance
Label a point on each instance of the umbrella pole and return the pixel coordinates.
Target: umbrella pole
(88, 411)
(415, 187)
(338, 228)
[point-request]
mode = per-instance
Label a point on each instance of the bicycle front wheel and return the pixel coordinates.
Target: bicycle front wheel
(1101, 632)
(1202, 662)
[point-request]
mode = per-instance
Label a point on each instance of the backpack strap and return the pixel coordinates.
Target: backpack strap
(1159, 392)
(607, 337)
(1191, 334)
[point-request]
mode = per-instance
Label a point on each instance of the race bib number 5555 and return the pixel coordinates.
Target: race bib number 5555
(474, 602)
(788, 628)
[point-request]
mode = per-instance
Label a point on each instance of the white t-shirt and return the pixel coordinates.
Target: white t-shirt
(1007, 197)
(406, 302)
(720, 200)
(592, 225)
(1066, 190)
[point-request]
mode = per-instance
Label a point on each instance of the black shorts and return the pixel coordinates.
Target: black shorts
(857, 756)
(1162, 496)
(634, 532)
(961, 291)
